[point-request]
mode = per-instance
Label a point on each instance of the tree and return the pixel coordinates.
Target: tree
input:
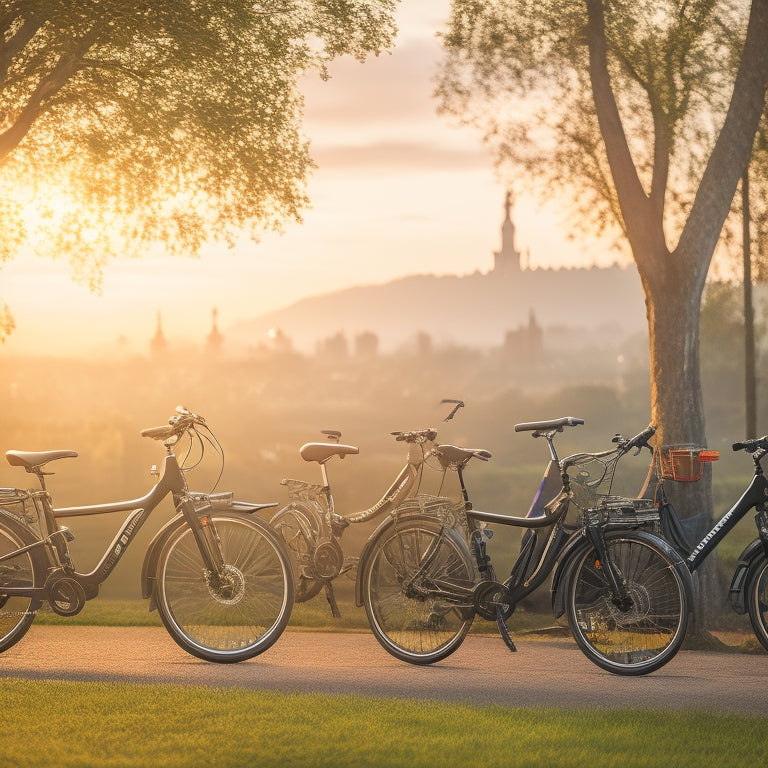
(124, 123)
(632, 104)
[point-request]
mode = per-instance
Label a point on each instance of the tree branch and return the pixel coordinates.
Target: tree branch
(63, 71)
(733, 147)
(629, 189)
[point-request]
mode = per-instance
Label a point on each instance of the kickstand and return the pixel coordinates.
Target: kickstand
(503, 631)
(332, 600)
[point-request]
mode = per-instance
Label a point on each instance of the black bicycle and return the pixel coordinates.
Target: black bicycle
(749, 585)
(425, 573)
(219, 576)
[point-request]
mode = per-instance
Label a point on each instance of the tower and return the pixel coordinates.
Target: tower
(215, 339)
(507, 260)
(158, 345)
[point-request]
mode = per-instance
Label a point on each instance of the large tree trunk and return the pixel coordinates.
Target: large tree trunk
(673, 300)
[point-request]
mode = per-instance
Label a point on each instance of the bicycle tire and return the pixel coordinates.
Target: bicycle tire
(635, 641)
(233, 625)
(416, 629)
(301, 549)
(757, 601)
(16, 613)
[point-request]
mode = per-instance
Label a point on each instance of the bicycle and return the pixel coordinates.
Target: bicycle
(311, 526)
(748, 592)
(218, 576)
(423, 577)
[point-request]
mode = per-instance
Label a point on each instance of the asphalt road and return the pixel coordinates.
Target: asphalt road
(551, 673)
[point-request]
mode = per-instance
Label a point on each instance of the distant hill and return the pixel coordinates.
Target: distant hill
(472, 310)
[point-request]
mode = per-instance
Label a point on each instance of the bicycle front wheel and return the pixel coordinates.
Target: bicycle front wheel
(16, 613)
(406, 590)
(757, 602)
(244, 614)
(644, 636)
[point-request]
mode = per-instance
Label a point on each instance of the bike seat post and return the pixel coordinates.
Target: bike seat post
(464, 492)
(327, 487)
(549, 437)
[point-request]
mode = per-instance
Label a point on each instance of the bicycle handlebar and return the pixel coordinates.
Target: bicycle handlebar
(639, 441)
(752, 446)
(177, 425)
(416, 436)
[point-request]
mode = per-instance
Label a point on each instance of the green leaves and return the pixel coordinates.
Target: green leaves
(132, 121)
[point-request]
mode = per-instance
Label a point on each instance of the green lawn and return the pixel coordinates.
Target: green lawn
(84, 725)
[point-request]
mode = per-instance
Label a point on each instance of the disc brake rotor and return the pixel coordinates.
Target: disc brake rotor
(232, 587)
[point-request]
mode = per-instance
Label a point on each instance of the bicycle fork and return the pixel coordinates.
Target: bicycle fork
(615, 581)
(208, 542)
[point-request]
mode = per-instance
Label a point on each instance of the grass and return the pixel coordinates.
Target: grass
(85, 725)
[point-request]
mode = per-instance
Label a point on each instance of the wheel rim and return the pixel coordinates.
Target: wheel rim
(15, 612)
(759, 607)
(419, 626)
(641, 634)
(242, 612)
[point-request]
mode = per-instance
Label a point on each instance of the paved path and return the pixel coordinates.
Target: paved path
(482, 671)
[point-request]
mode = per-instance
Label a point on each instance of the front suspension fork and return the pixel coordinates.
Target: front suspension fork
(207, 539)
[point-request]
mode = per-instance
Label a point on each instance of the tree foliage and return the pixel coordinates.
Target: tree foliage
(646, 111)
(671, 70)
(128, 122)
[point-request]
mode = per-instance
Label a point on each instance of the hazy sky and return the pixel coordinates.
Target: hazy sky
(399, 190)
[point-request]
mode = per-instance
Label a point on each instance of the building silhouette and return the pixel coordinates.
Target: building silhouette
(506, 262)
(215, 339)
(158, 345)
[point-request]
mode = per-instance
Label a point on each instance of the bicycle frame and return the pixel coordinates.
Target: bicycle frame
(543, 513)
(755, 496)
(193, 508)
(538, 557)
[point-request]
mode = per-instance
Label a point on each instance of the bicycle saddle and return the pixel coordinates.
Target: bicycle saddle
(321, 452)
(452, 454)
(32, 459)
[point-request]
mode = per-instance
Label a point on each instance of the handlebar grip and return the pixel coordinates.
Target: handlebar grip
(751, 446)
(158, 433)
(642, 438)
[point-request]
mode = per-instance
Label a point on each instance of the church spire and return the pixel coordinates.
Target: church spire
(507, 260)
(158, 345)
(215, 339)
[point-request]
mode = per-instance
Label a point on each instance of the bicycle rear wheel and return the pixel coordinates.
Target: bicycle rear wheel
(757, 602)
(16, 613)
(643, 637)
(300, 531)
(243, 616)
(410, 564)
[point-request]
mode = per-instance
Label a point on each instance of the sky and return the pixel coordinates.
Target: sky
(399, 190)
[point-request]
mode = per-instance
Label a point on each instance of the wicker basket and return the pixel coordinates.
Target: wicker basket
(619, 512)
(683, 463)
